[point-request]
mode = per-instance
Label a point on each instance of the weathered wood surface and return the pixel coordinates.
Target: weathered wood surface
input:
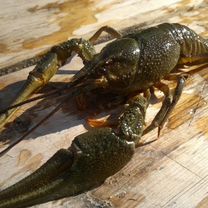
(171, 172)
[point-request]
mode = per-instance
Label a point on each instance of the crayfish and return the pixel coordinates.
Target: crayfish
(130, 65)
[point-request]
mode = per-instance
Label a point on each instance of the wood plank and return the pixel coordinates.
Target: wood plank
(194, 196)
(150, 180)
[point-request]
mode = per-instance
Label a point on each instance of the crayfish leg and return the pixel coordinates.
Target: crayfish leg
(97, 122)
(176, 96)
(114, 33)
(110, 121)
(168, 104)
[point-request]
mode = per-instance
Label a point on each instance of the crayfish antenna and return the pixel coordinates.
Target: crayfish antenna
(31, 130)
(57, 92)
(27, 90)
(75, 92)
(30, 100)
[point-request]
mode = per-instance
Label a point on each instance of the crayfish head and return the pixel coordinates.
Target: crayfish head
(116, 64)
(114, 68)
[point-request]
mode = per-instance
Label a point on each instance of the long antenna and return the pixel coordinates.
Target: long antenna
(73, 93)
(33, 128)
(57, 91)
(30, 100)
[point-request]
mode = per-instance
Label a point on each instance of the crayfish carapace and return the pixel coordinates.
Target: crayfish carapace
(135, 63)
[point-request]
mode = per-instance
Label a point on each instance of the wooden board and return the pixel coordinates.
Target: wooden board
(169, 173)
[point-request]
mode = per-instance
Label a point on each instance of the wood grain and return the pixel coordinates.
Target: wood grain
(169, 173)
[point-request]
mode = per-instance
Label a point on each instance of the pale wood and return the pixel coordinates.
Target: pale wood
(169, 173)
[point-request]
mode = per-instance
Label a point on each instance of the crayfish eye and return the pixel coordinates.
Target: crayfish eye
(119, 72)
(109, 62)
(104, 69)
(101, 71)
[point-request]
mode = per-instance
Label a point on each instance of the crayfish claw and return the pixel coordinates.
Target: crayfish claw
(92, 157)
